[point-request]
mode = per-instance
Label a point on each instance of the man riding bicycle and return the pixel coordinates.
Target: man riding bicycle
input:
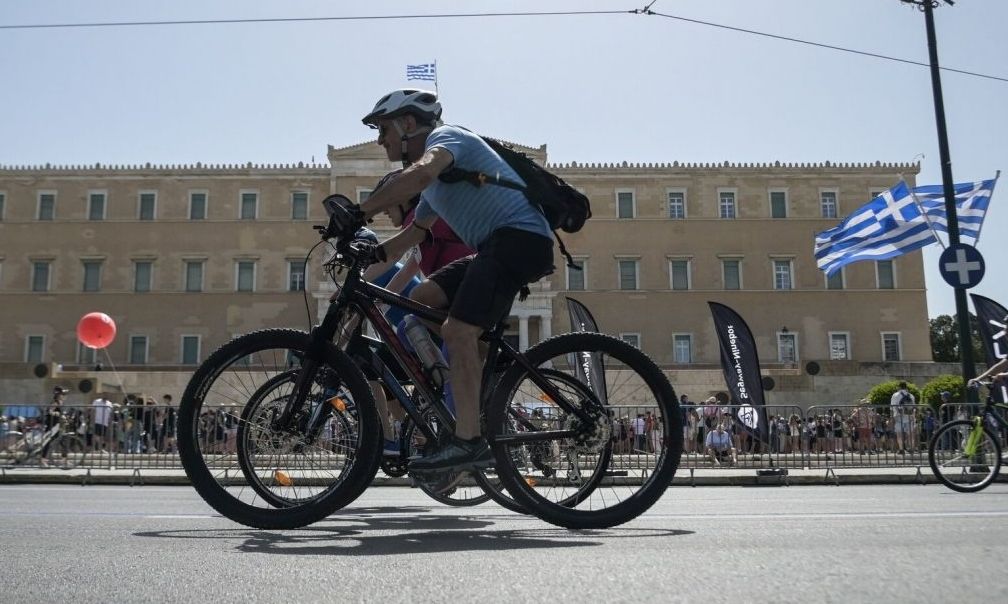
(513, 241)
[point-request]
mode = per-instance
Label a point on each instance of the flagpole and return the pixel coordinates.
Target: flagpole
(923, 212)
(962, 307)
(435, 80)
(980, 226)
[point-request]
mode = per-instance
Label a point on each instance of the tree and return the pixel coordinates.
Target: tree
(945, 339)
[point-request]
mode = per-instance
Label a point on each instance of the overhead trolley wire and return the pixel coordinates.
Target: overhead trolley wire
(639, 11)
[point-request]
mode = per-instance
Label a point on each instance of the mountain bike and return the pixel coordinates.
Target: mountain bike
(65, 449)
(292, 467)
(965, 454)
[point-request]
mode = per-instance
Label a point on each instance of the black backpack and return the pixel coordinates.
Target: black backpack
(564, 207)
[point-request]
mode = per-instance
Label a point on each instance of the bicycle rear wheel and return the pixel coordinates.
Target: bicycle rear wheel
(273, 477)
(567, 472)
(965, 457)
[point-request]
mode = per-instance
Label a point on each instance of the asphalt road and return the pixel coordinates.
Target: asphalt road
(890, 544)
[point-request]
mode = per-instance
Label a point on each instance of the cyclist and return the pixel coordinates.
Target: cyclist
(512, 238)
(998, 372)
(442, 248)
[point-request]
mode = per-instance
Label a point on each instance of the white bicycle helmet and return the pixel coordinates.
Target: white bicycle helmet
(421, 103)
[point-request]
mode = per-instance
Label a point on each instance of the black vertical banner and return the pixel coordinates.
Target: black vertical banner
(741, 369)
(591, 373)
(994, 333)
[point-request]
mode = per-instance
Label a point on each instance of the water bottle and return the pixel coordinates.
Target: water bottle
(429, 354)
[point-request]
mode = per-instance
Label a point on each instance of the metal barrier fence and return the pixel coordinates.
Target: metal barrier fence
(138, 437)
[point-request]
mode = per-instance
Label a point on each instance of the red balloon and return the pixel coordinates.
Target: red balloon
(96, 330)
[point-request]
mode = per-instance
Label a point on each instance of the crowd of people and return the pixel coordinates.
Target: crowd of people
(137, 425)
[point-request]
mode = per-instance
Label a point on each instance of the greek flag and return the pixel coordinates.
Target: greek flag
(972, 199)
(893, 223)
(427, 71)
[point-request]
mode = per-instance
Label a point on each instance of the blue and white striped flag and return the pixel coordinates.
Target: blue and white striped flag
(426, 71)
(893, 224)
(972, 199)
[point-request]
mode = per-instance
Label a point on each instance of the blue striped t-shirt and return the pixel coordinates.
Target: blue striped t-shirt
(474, 213)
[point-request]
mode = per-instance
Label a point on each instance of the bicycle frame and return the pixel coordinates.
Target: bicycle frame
(356, 294)
(976, 434)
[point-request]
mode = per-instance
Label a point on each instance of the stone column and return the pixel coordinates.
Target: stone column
(523, 333)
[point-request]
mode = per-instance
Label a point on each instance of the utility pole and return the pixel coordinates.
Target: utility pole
(962, 309)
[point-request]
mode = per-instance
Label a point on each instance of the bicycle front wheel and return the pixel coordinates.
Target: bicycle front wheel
(965, 457)
(570, 470)
(268, 476)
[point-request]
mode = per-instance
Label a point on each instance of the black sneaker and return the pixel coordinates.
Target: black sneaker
(456, 455)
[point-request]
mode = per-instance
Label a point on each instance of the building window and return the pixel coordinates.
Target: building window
(632, 339)
(839, 346)
(677, 205)
(628, 274)
(138, 350)
(363, 194)
(891, 349)
(3, 199)
(787, 347)
(836, 280)
(726, 204)
(197, 205)
(249, 205)
(625, 205)
(245, 276)
(190, 350)
(299, 205)
(40, 276)
(782, 274)
(577, 279)
(92, 275)
(885, 274)
(194, 276)
(679, 272)
(142, 272)
(731, 273)
(147, 209)
(34, 349)
(96, 205)
(682, 348)
(296, 280)
(47, 206)
(86, 355)
(778, 204)
(828, 204)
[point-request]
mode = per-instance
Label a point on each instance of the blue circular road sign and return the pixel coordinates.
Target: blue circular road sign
(961, 266)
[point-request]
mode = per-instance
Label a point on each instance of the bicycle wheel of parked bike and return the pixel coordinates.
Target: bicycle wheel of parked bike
(268, 477)
(964, 459)
(568, 471)
(67, 452)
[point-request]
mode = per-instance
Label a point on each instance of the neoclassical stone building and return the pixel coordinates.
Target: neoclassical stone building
(185, 257)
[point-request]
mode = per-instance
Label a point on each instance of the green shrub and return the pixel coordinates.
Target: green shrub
(933, 389)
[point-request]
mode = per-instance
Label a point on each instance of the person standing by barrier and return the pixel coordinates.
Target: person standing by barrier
(102, 408)
(902, 404)
(794, 434)
(170, 418)
(640, 433)
(862, 423)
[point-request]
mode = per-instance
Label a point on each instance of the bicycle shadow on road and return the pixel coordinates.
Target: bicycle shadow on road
(389, 531)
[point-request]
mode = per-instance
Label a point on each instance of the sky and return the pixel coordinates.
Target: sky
(593, 88)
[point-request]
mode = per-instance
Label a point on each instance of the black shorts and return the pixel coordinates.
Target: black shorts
(99, 430)
(482, 288)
